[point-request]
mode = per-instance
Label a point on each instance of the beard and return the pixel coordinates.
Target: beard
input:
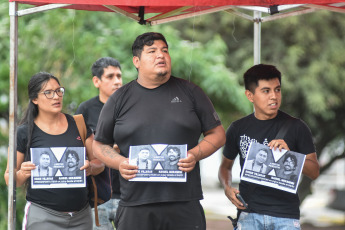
(162, 74)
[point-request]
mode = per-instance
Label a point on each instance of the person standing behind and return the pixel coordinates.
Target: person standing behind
(268, 208)
(107, 77)
(140, 113)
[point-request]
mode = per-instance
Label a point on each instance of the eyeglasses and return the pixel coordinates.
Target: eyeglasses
(51, 93)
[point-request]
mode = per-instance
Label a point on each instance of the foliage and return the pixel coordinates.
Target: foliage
(69, 41)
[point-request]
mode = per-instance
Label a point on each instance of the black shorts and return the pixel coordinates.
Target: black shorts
(162, 216)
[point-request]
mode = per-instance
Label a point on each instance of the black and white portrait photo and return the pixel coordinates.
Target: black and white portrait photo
(273, 168)
(43, 167)
(58, 167)
(142, 160)
(158, 162)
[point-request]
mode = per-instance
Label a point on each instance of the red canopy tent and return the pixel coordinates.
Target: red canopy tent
(157, 12)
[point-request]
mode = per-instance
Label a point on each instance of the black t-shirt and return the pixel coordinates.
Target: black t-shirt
(91, 110)
(177, 112)
(59, 199)
(241, 133)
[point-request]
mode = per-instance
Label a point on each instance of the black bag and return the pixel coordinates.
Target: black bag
(99, 186)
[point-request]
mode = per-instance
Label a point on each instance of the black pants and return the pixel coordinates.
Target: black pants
(162, 216)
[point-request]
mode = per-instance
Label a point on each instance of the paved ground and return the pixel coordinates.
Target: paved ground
(313, 210)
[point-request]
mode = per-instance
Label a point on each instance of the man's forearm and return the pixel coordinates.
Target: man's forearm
(213, 140)
(311, 166)
(107, 154)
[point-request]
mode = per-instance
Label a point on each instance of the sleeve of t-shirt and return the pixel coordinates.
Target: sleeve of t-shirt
(106, 123)
(88, 131)
(305, 142)
(204, 108)
(230, 149)
(81, 110)
(22, 138)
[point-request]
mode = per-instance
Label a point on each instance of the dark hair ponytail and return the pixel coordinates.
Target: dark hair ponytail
(36, 83)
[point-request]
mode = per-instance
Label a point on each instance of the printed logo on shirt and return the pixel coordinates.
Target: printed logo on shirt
(216, 116)
(245, 142)
(176, 100)
(79, 138)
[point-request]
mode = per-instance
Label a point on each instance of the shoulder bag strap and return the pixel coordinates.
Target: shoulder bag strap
(79, 120)
(283, 130)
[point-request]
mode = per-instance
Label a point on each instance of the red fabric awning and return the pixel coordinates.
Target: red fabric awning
(176, 3)
(170, 10)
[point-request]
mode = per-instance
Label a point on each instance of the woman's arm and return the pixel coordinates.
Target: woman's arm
(24, 171)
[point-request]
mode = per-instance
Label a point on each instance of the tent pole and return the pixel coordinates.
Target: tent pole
(12, 158)
(257, 37)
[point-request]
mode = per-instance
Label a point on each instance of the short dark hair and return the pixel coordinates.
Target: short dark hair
(292, 157)
(146, 39)
(45, 153)
(145, 148)
(259, 72)
(263, 149)
(73, 153)
(98, 67)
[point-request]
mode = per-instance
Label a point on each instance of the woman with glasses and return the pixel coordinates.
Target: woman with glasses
(45, 126)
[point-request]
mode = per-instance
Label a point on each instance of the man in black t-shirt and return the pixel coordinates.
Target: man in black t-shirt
(158, 108)
(107, 77)
(267, 207)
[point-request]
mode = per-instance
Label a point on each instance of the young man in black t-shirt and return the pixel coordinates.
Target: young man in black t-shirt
(158, 108)
(268, 208)
(107, 77)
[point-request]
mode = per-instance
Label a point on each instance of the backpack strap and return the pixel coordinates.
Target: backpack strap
(79, 120)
